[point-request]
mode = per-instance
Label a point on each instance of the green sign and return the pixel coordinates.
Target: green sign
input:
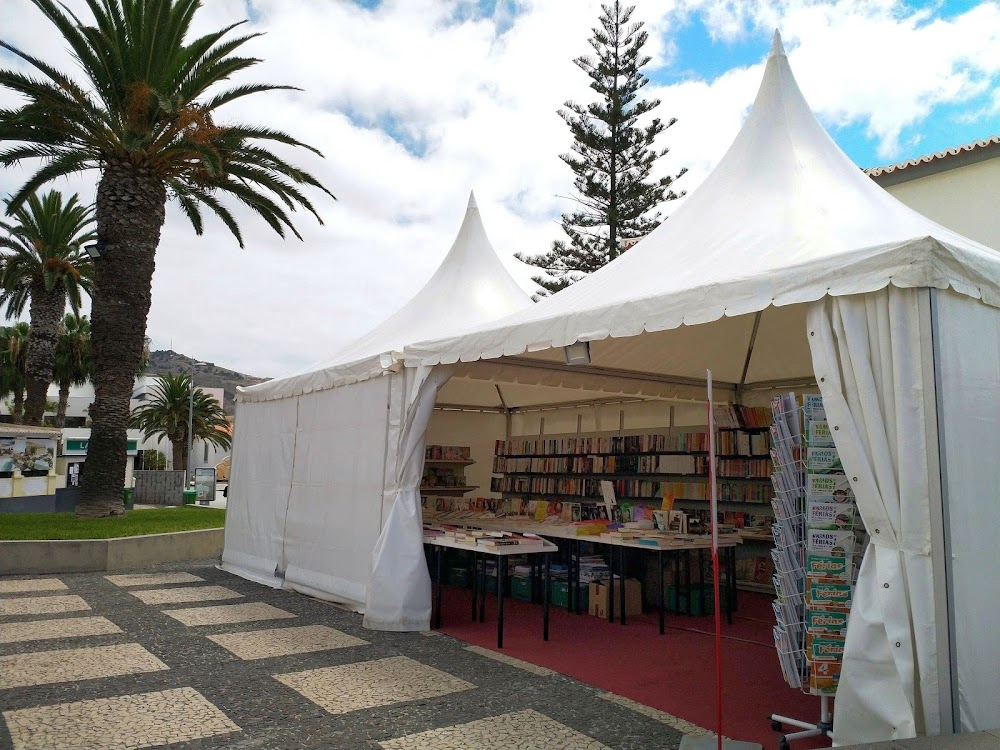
(78, 446)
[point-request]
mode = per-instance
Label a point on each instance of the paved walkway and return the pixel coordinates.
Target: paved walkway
(192, 657)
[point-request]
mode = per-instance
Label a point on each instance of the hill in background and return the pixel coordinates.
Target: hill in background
(207, 376)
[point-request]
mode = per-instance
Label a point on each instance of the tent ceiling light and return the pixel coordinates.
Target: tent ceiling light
(578, 353)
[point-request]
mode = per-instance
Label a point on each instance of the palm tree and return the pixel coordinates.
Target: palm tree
(13, 353)
(43, 265)
(166, 415)
(74, 364)
(147, 117)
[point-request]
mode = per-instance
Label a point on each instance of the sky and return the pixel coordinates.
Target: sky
(414, 103)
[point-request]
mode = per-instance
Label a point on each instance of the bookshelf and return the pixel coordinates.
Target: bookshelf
(646, 468)
(444, 470)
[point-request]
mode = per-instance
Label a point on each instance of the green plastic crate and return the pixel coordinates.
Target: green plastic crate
(457, 577)
(520, 588)
(559, 594)
(691, 604)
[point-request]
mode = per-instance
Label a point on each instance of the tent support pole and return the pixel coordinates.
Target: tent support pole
(746, 363)
(506, 411)
(941, 542)
(541, 364)
(806, 381)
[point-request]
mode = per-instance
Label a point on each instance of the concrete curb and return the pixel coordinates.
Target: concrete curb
(95, 555)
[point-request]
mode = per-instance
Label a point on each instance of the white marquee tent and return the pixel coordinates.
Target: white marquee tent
(790, 268)
(313, 451)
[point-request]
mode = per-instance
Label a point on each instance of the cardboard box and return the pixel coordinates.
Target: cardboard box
(598, 605)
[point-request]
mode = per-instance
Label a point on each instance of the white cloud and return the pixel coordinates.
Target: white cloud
(474, 101)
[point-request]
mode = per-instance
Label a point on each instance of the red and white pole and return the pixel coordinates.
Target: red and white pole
(714, 511)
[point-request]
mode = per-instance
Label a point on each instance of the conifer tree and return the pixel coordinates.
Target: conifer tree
(612, 157)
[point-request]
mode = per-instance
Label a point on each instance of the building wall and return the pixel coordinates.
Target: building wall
(963, 199)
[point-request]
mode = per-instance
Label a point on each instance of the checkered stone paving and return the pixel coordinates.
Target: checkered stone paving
(230, 659)
(41, 630)
(119, 723)
(41, 605)
(267, 644)
(186, 594)
(522, 730)
(31, 584)
(226, 614)
(372, 683)
(70, 665)
(152, 579)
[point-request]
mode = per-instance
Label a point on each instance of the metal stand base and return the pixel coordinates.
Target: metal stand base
(821, 728)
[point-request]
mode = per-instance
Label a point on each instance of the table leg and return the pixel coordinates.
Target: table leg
(687, 592)
(701, 579)
(545, 598)
(574, 551)
(440, 567)
(475, 583)
(482, 594)
(501, 583)
(659, 578)
(621, 587)
(731, 575)
(611, 583)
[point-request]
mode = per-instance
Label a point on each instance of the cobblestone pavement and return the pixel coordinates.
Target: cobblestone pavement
(152, 659)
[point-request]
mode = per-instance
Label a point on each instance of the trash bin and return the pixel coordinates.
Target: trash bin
(190, 496)
(127, 497)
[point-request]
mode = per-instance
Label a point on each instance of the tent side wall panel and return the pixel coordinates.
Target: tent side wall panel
(969, 382)
(334, 514)
(260, 480)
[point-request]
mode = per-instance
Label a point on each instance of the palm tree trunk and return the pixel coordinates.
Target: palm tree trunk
(180, 457)
(130, 211)
(18, 415)
(63, 403)
(47, 307)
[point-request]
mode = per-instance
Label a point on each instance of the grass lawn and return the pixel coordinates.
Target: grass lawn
(135, 523)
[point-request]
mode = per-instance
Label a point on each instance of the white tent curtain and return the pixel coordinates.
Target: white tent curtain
(968, 336)
(399, 590)
(263, 452)
(868, 352)
(335, 508)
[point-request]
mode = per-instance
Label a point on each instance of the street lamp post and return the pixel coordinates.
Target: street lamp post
(190, 456)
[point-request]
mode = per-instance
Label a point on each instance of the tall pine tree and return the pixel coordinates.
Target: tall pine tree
(612, 157)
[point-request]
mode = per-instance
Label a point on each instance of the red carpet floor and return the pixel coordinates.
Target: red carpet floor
(674, 672)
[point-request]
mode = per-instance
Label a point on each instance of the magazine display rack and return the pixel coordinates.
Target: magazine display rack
(818, 536)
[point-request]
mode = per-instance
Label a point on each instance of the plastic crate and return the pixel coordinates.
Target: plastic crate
(457, 577)
(520, 588)
(559, 595)
(691, 602)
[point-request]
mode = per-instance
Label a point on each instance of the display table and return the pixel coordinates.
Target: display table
(479, 552)
(667, 550)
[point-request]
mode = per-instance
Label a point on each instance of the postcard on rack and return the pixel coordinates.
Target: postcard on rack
(823, 593)
(831, 620)
(836, 542)
(812, 406)
(830, 516)
(830, 567)
(824, 677)
(819, 434)
(834, 488)
(823, 460)
(825, 648)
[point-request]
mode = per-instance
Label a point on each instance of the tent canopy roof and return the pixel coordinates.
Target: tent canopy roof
(469, 288)
(786, 217)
